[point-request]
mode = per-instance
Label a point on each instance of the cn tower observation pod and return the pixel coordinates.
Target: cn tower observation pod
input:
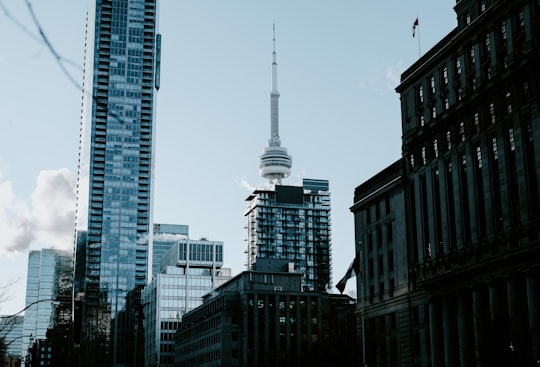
(275, 163)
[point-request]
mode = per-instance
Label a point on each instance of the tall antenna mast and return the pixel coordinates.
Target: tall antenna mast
(274, 164)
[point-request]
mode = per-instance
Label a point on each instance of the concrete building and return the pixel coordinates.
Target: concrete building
(264, 318)
(114, 188)
(384, 299)
(189, 270)
(471, 183)
(471, 127)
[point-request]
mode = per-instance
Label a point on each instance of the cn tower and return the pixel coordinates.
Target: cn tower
(274, 164)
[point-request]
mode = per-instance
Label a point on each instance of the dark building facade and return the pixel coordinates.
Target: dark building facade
(471, 182)
(384, 298)
(263, 318)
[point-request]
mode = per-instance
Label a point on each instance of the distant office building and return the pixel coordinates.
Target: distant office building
(471, 181)
(48, 280)
(292, 223)
(263, 318)
(189, 270)
(289, 222)
(165, 236)
(114, 191)
(11, 331)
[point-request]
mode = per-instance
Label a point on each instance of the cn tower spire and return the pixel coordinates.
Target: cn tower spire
(274, 164)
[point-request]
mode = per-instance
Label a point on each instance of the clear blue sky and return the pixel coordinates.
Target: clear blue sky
(338, 65)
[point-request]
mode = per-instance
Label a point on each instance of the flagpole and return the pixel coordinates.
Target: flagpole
(419, 53)
(416, 30)
(362, 304)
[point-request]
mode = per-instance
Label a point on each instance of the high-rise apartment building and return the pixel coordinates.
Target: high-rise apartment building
(189, 270)
(289, 222)
(114, 198)
(48, 281)
(292, 223)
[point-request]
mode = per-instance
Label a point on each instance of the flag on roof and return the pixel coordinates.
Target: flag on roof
(353, 270)
(415, 24)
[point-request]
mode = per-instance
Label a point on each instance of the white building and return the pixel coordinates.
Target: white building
(190, 269)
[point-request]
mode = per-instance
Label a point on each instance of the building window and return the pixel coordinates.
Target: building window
(446, 103)
(488, 43)
(424, 160)
(412, 160)
(525, 90)
(436, 148)
(433, 112)
(422, 121)
(479, 156)
(445, 76)
(421, 94)
(473, 56)
(468, 18)
(482, 6)
(458, 66)
(495, 149)
(503, 30)
(492, 112)
(462, 131)
(476, 122)
(432, 84)
(391, 260)
(508, 102)
(449, 140)
(511, 139)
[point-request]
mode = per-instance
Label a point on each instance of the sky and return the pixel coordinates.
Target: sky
(339, 63)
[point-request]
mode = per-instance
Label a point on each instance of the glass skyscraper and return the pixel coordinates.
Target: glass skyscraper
(46, 282)
(114, 198)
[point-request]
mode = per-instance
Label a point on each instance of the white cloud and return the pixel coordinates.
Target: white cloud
(245, 184)
(48, 220)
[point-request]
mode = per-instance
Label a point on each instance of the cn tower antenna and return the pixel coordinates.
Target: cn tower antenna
(274, 163)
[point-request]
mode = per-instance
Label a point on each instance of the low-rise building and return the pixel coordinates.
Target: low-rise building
(262, 317)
